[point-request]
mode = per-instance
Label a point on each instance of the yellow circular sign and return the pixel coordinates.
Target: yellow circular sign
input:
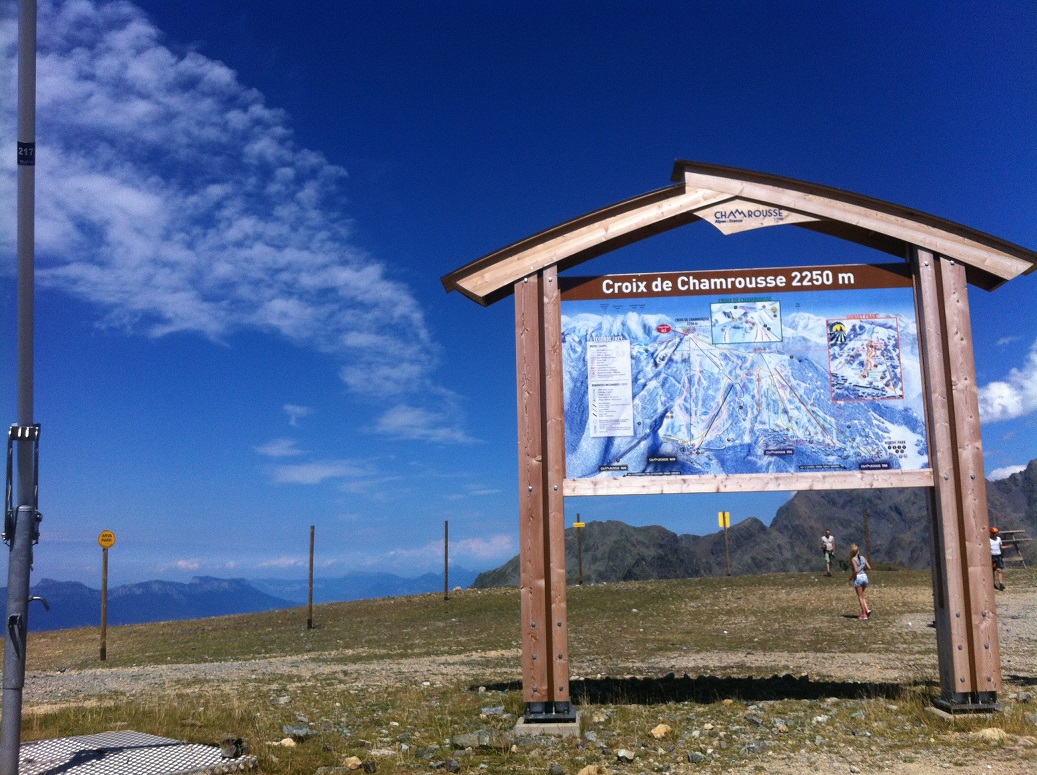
(106, 539)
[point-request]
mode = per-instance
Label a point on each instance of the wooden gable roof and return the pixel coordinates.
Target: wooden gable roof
(708, 191)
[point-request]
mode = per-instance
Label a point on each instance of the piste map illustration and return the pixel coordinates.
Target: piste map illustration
(751, 371)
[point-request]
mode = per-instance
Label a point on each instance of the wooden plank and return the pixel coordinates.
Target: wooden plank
(870, 215)
(832, 480)
(450, 281)
(974, 520)
(595, 235)
(554, 397)
(528, 360)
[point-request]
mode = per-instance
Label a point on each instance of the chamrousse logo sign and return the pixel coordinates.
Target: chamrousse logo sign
(740, 215)
(737, 215)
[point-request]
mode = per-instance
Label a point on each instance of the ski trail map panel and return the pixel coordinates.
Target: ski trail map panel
(790, 370)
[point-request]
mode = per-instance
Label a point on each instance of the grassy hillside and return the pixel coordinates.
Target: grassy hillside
(392, 681)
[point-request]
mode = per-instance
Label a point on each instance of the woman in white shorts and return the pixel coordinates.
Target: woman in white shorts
(859, 579)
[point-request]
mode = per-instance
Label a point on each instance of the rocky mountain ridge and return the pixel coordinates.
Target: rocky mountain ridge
(898, 534)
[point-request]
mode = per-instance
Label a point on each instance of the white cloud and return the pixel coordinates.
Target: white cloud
(188, 565)
(1004, 472)
(472, 491)
(407, 422)
(283, 562)
(319, 471)
(175, 200)
(477, 550)
(296, 413)
(495, 547)
(279, 448)
(1015, 396)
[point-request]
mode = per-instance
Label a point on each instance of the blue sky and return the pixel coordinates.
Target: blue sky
(244, 209)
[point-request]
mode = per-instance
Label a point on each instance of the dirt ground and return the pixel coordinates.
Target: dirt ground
(1017, 611)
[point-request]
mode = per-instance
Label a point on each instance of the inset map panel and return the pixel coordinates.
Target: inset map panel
(746, 321)
(864, 358)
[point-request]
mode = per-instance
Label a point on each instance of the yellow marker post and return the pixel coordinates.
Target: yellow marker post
(107, 540)
(724, 518)
(579, 549)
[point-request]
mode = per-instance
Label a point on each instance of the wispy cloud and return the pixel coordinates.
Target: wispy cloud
(296, 413)
(172, 197)
(1014, 396)
(473, 550)
(407, 422)
(282, 562)
(279, 448)
(472, 491)
(319, 471)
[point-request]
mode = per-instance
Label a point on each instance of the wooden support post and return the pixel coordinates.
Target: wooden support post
(532, 576)
(966, 620)
(545, 653)
(554, 437)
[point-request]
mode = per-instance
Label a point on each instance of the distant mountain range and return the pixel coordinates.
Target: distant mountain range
(76, 605)
(898, 534)
(898, 529)
(362, 586)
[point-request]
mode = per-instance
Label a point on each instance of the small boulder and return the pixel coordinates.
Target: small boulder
(661, 731)
(298, 732)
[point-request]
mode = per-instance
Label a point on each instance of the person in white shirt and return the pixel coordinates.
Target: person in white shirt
(997, 560)
(828, 549)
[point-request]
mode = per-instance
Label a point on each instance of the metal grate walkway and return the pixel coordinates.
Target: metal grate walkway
(125, 753)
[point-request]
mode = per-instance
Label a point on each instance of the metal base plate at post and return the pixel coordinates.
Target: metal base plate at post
(126, 753)
(549, 713)
(952, 709)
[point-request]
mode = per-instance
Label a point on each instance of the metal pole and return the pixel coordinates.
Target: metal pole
(26, 516)
(104, 604)
(727, 549)
(309, 616)
(867, 538)
(446, 559)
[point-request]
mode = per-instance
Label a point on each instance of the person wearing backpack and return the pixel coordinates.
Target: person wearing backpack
(859, 579)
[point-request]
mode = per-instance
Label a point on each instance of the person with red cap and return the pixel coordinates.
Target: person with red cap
(997, 560)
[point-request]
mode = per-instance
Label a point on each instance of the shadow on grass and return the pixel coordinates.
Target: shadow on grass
(706, 689)
(1022, 680)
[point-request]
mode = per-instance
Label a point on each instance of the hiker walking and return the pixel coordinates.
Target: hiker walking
(828, 549)
(859, 579)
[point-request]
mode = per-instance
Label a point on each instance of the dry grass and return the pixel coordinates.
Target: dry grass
(390, 681)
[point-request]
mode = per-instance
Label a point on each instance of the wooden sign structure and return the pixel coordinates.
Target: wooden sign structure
(944, 258)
